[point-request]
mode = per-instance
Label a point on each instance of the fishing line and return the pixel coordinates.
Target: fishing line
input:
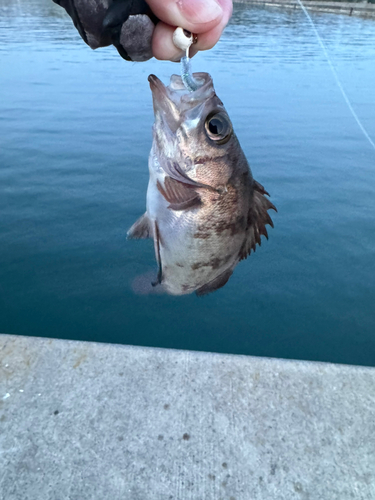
(321, 43)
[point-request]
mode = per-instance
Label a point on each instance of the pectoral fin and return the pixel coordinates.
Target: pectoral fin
(174, 171)
(257, 219)
(141, 229)
(180, 196)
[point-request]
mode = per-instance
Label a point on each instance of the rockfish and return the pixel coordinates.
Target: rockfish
(205, 212)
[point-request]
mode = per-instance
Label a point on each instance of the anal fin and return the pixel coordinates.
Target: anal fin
(157, 255)
(215, 284)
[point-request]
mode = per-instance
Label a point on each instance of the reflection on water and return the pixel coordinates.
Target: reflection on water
(75, 135)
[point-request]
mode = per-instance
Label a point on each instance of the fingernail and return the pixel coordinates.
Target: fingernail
(200, 11)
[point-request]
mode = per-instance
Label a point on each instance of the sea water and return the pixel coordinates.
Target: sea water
(75, 132)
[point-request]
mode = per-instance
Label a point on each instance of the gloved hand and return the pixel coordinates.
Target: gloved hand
(127, 24)
(133, 26)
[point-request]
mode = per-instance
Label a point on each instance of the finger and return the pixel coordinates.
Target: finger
(209, 38)
(197, 16)
(162, 44)
(163, 47)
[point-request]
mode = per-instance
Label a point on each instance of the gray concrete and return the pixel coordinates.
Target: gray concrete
(362, 9)
(97, 421)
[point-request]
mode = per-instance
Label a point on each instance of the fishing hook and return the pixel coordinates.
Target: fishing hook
(183, 40)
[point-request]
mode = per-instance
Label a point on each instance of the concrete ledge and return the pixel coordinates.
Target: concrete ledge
(362, 9)
(97, 421)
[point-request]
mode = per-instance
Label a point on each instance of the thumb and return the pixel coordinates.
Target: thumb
(197, 16)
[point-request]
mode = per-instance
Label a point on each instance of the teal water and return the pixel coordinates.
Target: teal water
(75, 132)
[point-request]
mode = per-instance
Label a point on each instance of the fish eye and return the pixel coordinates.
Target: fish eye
(218, 127)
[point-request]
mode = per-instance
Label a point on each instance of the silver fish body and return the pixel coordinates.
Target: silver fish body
(204, 212)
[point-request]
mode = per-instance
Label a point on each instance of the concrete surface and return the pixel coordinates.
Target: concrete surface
(362, 9)
(97, 421)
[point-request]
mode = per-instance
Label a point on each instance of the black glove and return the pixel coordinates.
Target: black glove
(127, 24)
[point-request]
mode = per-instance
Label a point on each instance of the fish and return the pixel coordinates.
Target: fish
(204, 211)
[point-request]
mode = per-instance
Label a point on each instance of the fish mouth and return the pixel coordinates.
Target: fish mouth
(171, 101)
(164, 105)
(156, 85)
(176, 88)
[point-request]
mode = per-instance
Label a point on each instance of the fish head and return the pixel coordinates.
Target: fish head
(191, 126)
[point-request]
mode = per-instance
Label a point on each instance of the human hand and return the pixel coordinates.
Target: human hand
(206, 18)
(140, 29)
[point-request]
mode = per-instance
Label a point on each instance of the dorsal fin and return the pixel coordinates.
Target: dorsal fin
(257, 219)
(180, 196)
